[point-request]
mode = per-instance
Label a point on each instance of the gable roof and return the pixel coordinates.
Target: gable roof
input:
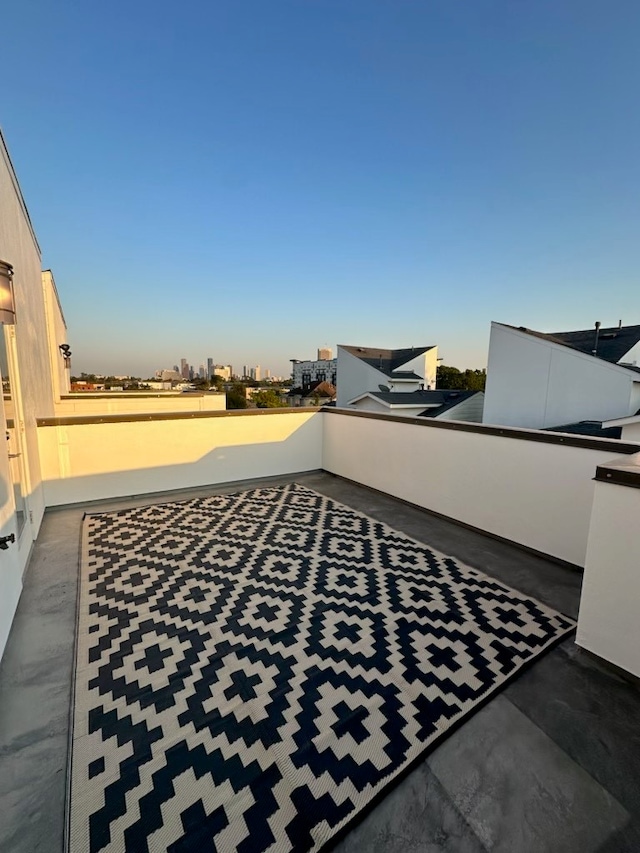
(452, 399)
(438, 400)
(624, 421)
(387, 360)
(613, 343)
(598, 429)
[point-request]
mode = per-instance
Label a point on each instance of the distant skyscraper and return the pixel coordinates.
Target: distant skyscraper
(184, 368)
(245, 372)
(209, 368)
(176, 368)
(223, 370)
(257, 373)
(201, 372)
(325, 354)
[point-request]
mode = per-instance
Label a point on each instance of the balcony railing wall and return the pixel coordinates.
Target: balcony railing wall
(532, 488)
(86, 459)
(525, 486)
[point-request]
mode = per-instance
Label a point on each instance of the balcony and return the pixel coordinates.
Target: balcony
(548, 764)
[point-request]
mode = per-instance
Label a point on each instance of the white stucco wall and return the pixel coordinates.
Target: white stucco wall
(633, 356)
(609, 621)
(86, 462)
(631, 432)
(533, 493)
(355, 377)
(534, 383)
(33, 395)
(57, 334)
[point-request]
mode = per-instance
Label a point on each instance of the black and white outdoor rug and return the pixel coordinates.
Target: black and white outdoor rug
(254, 669)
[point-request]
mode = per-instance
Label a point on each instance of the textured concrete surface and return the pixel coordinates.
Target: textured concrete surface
(550, 764)
(519, 790)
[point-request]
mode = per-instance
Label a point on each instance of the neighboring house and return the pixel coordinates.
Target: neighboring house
(371, 369)
(304, 374)
(540, 380)
(445, 405)
(320, 394)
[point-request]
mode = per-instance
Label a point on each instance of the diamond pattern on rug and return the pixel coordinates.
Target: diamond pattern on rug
(254, 669)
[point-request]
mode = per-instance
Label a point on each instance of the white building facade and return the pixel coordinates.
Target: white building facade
(306, 373)
(33, 374)
(536, 382)
(364, 369)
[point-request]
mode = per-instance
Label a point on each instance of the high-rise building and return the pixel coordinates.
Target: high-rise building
(201, 372)
(325, 354)
(257, 373)
(209, 368)
(223, 370)
(305, 373)
(184, 368)
(166, 375)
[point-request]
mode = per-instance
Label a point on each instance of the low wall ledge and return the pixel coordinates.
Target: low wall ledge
(77, 420)
(621, 472)
(612, 445)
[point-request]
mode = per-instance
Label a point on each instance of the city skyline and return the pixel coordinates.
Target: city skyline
(364, 173)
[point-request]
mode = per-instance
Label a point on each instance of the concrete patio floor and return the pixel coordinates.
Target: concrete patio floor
(552, 763)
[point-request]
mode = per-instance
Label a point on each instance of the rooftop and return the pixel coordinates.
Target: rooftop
(612, 343)
(436, 401)
(594, 428)
(387, 361)
(548, 764)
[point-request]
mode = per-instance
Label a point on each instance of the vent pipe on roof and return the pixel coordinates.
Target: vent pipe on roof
(595, 343)
(619, 324)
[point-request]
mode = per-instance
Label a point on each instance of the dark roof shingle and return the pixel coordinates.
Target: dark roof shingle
(613, 343)
(386, 360)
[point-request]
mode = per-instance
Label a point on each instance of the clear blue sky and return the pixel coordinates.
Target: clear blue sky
(251, 179)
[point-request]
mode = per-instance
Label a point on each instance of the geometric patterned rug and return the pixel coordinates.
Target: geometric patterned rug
(253, 670)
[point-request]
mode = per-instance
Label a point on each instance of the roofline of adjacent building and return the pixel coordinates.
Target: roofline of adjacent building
(18, 191)
(373, 396)
(629, 419)
(550, 341)
(57, 296)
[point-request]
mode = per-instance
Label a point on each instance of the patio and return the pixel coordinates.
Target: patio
(549, 764)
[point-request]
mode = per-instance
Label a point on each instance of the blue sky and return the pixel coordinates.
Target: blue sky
(249, 180)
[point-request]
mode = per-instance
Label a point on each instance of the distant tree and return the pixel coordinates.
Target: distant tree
(217, 383)
(449, 378)
(475, 379)
(268, 400)
(236, 397)
(452, 379)
(85, 377)
(201, 384)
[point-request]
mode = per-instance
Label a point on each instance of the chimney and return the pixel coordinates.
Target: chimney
(595, 343)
